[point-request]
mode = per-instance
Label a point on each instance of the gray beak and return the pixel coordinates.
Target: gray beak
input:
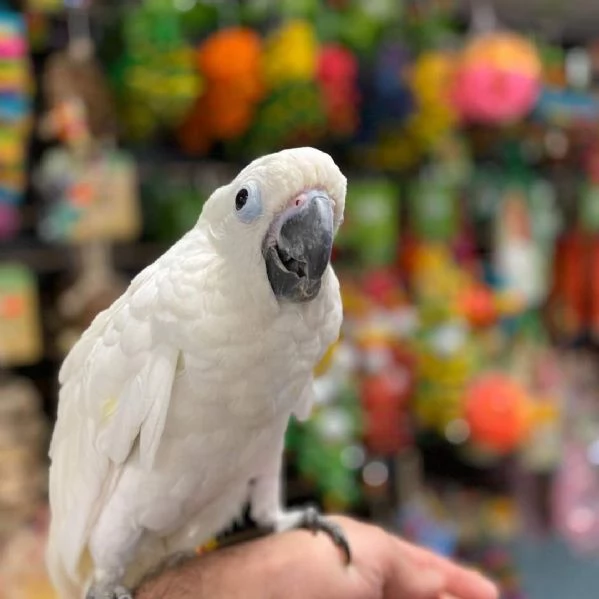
(298, 250)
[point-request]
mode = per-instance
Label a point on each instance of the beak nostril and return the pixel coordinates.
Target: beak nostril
(300, 199)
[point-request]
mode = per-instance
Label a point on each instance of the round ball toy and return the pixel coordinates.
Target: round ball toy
(497, 79)
(498, 413)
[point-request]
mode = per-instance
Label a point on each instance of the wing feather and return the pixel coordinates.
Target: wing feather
(115, 392)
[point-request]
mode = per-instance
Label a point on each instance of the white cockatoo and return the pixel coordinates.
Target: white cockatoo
(174, 403)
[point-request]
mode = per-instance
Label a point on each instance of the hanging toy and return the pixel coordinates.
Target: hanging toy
(497, 79)
(290, 54)
(156, 75)
(389, 102)
(293, 114)
(447, 354)
(230, 62)
(447, 360)
(434, 116)
(16, 91)
(79, 104)
(393, 98)
(20, 328)
(91, 200)
(337, 75)
(497, 411)
(433, 205)
(385, 392)
(371, 229)
(90, 187)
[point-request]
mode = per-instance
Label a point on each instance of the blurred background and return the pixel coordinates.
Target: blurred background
(460, 407)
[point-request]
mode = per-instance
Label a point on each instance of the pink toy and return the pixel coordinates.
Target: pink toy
(12, 47)
(497, 79)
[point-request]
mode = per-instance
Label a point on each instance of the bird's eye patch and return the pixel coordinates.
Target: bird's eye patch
(248, 203)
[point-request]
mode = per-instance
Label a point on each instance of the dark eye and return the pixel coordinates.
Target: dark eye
(241, 198)
(248, 205)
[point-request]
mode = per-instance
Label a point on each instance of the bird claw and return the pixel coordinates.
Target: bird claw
(109, 592)
(313, 521)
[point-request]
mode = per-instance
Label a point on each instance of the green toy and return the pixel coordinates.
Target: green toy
(293, 114)
(156, 76)
(323, 446)
(371, 227)
(433, 208)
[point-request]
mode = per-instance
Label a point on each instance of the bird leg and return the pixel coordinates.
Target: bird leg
(311, 519)
(266, 510)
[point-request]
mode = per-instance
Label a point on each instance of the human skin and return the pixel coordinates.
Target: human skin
(300, 565)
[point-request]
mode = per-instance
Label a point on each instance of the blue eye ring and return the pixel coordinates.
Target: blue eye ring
(248, 203)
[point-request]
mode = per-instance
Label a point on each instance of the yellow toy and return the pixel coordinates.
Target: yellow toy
(291, 54)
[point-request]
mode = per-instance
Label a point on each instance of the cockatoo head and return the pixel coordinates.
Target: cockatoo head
(278, 219)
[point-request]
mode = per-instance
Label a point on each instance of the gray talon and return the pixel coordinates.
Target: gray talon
(110, 592)
(315, 522)
(122, 593)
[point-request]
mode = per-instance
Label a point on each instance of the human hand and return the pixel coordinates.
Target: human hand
(299, 565)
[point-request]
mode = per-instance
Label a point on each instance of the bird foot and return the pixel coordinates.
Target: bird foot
(311, 519)
(109, 592)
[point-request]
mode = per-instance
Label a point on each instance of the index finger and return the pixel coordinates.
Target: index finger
(461, 582)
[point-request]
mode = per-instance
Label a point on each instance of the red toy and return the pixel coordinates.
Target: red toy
(338, 77)
(497, 412)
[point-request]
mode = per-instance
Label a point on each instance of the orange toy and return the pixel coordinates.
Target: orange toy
(230, 62)
(477, 303)
(498, 413)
